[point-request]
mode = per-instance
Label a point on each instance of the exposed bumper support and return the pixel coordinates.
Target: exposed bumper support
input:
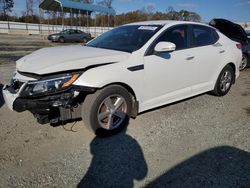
(49, 109)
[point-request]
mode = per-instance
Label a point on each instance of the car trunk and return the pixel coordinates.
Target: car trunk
(230, 29)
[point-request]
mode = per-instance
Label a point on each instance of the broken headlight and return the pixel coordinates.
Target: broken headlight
(48, 86)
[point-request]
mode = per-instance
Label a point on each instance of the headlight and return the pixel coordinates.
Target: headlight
(48, 86)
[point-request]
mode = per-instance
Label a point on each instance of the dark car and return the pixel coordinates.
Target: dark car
(248, 34)
(70, 35)
(237, 33)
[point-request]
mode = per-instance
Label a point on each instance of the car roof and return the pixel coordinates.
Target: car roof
(71, 30)
(165, 22)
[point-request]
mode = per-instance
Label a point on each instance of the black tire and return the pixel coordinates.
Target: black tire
(84, 40)
(244, 62)
(221, 87)
(61, 40)
(94, 103)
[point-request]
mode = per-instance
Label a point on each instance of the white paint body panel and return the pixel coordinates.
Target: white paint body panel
(162, 81)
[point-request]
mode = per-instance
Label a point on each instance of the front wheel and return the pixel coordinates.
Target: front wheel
(107, 111)
(224, 81)
(61, 40)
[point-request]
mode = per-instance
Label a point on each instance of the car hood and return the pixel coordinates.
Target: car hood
(64, 58)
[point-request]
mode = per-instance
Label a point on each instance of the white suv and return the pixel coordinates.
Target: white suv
(125, 71)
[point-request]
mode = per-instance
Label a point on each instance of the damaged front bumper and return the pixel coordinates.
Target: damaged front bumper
(9, 98)
(10, 95)
(53, 108)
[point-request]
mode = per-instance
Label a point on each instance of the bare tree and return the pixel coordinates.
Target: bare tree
(150, 8)
(41, 11)
(29, 7)
(6, 7)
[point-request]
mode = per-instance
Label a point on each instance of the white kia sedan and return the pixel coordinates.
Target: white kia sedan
(125, 71)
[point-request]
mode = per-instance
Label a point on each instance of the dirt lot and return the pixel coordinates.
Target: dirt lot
(200, 142)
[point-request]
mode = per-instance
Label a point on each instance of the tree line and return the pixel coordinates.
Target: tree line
(31, 15)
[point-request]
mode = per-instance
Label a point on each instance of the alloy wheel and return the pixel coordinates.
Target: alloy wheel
(112, 112)
(243, 63)
(225, 81)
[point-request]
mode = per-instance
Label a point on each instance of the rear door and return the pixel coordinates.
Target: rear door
(74, 35)
(78, 35)
(208, 53)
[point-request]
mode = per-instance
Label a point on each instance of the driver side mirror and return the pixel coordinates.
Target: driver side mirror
(165, 47)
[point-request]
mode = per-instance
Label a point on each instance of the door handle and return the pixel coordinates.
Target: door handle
(190, 58)
(222, 51)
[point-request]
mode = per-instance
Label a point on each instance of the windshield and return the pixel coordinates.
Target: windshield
(125, 38)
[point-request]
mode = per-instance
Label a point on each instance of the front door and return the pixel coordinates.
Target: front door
(169, 75)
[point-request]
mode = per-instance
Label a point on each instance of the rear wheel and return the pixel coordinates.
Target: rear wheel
(224, 81)
(107, 111)
(84, 40)
(244, 62)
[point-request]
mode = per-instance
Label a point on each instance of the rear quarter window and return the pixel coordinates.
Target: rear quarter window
(203, 36)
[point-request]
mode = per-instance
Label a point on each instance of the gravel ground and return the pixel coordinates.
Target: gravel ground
(200, 142)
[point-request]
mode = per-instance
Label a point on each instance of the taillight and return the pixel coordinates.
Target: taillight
(239, 46)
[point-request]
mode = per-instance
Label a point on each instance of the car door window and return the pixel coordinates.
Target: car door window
(65, 31)
(78, 32)
(203, 36)
(177, 35)
(72, 32)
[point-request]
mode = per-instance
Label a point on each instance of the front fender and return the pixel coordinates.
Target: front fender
(99, 77)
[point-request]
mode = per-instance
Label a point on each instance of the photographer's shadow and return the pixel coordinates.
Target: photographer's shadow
(219, 167)
(117, 162)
